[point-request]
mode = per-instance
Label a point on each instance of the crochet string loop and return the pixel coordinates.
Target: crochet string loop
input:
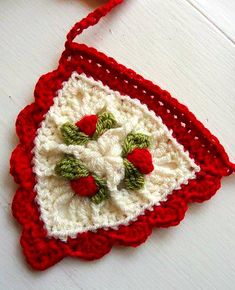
(91, 19)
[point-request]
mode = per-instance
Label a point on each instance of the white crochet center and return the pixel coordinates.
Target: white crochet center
(64, 213)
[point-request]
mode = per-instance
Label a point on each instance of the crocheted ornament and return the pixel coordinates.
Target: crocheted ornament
(104, 156)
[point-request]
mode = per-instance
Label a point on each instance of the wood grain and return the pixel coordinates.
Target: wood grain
(219, 13)
(178, 46)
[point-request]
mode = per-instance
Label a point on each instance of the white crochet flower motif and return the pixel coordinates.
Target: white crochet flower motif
(102, 157)
(66, 214)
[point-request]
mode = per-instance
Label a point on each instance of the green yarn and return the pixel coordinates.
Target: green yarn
(106, 121)
(71, 168)
(134, 140)
(103, 192)
(99, 181)
(101, 195)
(72, 135)
(133, 180)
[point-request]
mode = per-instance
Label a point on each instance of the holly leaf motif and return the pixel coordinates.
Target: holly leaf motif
(72, 135)
(71, 168)
(103, 192)
(135, 140)
(101, 195)
(133, 180)
(105, 122)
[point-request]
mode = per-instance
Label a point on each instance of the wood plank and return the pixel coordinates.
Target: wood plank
(220, 12)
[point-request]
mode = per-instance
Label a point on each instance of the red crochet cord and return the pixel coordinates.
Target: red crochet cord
(92, 19)
(41, 251)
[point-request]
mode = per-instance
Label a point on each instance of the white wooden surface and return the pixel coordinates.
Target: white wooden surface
(185, 46)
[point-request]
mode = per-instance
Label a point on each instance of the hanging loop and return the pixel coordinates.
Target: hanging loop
(91, 19)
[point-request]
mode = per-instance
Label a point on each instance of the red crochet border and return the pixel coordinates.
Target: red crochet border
(42, 252)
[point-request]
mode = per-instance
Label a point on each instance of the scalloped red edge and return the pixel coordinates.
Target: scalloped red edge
(42, 252)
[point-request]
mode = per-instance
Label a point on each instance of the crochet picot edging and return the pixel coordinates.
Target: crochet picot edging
(43, 251)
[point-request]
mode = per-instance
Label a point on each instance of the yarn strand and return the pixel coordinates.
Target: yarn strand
(91, 19)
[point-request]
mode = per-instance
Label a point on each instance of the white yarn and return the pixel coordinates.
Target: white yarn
(66, 214)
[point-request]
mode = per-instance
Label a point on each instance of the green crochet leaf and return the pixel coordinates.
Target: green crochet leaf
(72, 135)
(71, 168)
(101, 195)
(135, 140)
(106, 121)
(103, 192)
(133, 180)
(99, 181)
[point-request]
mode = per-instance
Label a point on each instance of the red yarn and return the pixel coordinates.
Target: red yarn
(88, 124)
(142, 160)
(84, 186)
(91, 19)
(42, 252)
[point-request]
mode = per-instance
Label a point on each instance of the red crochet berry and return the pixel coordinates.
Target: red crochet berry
(84, 186)
(88, 124)
(142, 160)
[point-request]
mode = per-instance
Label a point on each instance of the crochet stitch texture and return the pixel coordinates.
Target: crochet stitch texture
(65, 214)
(188, 161)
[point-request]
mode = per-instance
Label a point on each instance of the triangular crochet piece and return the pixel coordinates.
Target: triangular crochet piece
(104, 156)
